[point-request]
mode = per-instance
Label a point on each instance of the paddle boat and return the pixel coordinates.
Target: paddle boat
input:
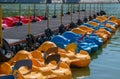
(112, 20)
(70, 37)
(102, 22)
(47, 45)
(69, 55)
(41, 69)
(106, 34)
(5, 26)
(51, 69)
(81, 41)
(8, 21)
(83, 56)
(78, 31)
(97, 27)
(12, 21)
(21, 70)
(91, 36)
(81, 59)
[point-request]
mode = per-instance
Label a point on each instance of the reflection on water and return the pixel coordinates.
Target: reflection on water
(80, 72)
(106, 43)
(95, 55)
(105, 63)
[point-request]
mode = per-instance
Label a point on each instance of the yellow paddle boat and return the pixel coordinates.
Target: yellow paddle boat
(102, 17)
(86, 29)
(81, 59)
(22, 73)
(93, 23)
(39, 70)
(83, 56)
(61, 69)
(46, 45)
(78, 31)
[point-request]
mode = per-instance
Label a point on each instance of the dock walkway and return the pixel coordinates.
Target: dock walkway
(19, 33)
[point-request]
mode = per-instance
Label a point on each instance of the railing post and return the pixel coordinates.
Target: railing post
(78, 10)
(90, 10)
(94, 8)
(19, 12)
(71, 13)
(29, 20)
(1, 41)
(61, 14)
(47, 9)
(85, 9)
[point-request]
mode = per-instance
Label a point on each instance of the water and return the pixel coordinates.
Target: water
(13, 9)
(105, 62)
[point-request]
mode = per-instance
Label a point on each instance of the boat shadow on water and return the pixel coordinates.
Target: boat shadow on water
(114, 37)
(80, 72)
(94, 55)
(106, 43)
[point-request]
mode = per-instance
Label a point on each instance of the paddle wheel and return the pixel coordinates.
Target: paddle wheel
(5, 51)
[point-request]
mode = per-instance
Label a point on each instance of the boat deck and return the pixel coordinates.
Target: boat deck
(18, 33)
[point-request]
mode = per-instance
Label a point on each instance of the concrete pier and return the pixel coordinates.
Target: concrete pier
(18, 33)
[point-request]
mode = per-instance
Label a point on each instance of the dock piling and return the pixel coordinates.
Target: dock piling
(62, 11)
(73, 8)
(61, 14)
(72, 24)
(28, 19)
(1, 41)
(48, 31)
(45, 16)
(90, 17)
(34, 15)
(71, 13)
(79, 21)
(61, 28)
(94, 15)
(48, 16)
(19, 13)
(54, 14)
(68, 13)
(85, 17)
(4, 46)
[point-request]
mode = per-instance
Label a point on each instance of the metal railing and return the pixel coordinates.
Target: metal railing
(13, 9)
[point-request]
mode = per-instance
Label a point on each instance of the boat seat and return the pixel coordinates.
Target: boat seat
(21, 63)
(7, 77)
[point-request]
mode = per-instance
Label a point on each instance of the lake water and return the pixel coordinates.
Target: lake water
(13, 9)
(105, 63)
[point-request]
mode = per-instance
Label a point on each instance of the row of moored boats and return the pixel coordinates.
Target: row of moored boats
(53, 59)
(8, 22)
